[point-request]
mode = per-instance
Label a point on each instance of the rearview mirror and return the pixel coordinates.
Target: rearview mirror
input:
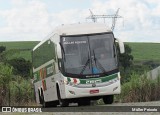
(59, 51)
(121, 45)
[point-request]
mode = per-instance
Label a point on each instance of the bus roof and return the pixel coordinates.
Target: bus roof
(77, 29)
(84, 28)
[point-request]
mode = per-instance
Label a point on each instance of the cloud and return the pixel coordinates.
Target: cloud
(31, 20)
(141, 18)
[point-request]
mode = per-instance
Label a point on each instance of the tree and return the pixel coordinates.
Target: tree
(6, 54)
(21, 66)
(2, 48)
(126, 58)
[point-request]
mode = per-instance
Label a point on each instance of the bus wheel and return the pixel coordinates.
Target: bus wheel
(40, 99)
(44, 104)
(108, 99)
(62, 102)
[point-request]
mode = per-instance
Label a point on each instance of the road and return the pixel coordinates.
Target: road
(138, 108)
(153, 106)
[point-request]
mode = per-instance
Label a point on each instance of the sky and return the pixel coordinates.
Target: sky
(33, 20)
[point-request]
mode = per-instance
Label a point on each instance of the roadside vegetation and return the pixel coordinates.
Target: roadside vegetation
(16, 74)
(140, 89)
(137, 85)
(15, 84)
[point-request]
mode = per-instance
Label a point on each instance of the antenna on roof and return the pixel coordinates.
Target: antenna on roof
(114, 18)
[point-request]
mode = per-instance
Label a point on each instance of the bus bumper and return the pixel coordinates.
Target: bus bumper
(75, 92)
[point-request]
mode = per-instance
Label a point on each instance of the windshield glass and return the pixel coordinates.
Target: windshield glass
(89, 54)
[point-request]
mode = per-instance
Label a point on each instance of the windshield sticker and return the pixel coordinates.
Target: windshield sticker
(75, 42)
(68, 42)
(80, 42)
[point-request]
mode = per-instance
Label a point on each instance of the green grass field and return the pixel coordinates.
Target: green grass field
(19, 45)
(24, 46)
(140, 51)
(145, 51)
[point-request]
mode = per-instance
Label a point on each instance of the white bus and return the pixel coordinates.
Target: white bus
(76, 64)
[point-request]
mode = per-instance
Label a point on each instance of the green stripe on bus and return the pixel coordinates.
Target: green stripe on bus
(68, 79)
(103, 79)
(107, 78)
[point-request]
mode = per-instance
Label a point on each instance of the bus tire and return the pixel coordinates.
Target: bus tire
(62, 102)
(108, 99)
(44, 104)
(35, 94)
(40, 99)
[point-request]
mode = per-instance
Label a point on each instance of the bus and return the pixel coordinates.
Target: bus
(77, 63)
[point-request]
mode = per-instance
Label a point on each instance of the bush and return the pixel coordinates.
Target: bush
(2, 49)
(21, 66)
(140, 89)
(137, 70)
(5, 78)
(14, 90)
(21, 91)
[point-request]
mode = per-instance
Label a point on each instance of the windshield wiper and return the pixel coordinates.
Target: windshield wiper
(94, 58)
(97, 62)
(87, 62)
(114, 50)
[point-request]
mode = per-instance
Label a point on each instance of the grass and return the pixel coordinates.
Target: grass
(145, 51)
(140, 89)
(24, 46)
(19, 45)
(140, 51)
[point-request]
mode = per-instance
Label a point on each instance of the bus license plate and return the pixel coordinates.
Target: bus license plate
(94, 91)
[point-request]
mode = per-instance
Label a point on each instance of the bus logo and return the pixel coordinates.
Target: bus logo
(93, 84)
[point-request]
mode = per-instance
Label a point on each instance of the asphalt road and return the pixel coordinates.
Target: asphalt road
(153, 106)
(138, 108)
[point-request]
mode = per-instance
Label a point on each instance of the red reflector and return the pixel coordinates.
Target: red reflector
(94, 91)
(74, 80)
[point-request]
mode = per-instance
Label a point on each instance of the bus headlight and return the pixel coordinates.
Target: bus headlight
(66, 82)
(119, 77)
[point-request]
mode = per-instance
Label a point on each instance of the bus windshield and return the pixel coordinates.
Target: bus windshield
(89, 54)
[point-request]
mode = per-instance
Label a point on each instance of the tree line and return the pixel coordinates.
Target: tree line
(20, 65)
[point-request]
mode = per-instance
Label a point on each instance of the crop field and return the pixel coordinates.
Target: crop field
(25, 48)
(19, 45)
(145, 51)
(140, 51)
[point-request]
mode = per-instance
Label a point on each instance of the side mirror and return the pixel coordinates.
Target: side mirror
(121, 45)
